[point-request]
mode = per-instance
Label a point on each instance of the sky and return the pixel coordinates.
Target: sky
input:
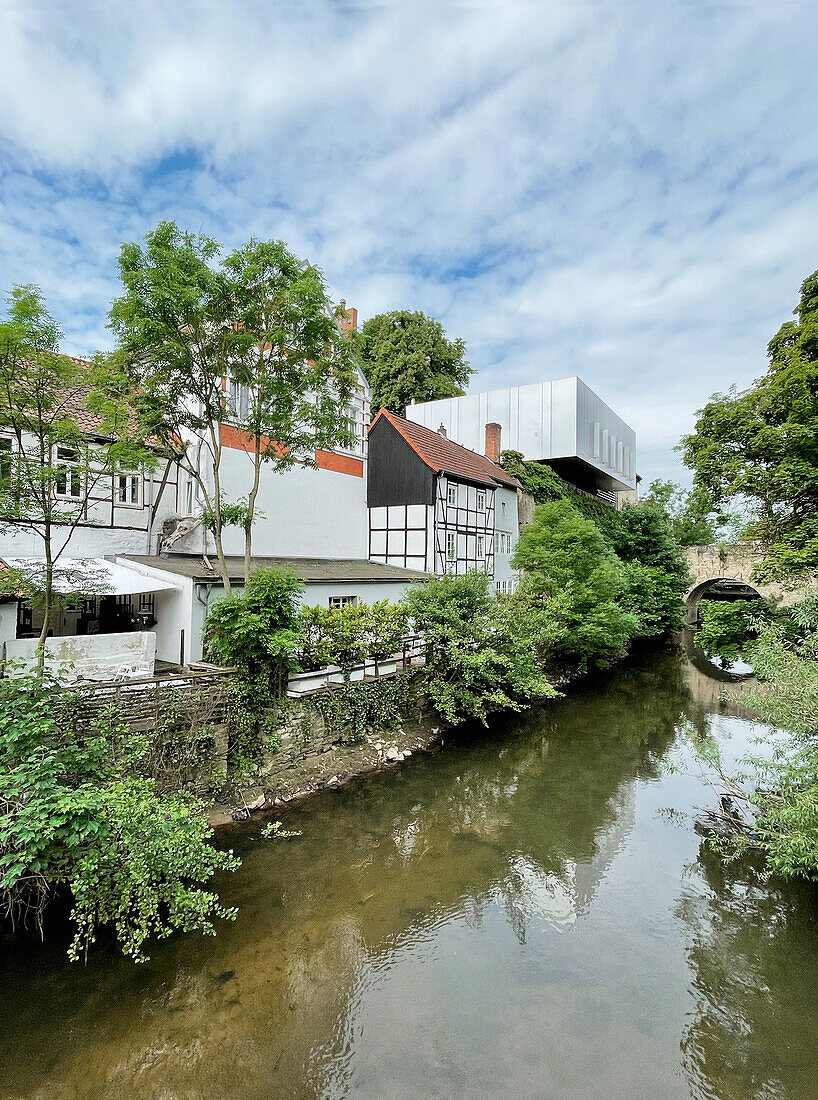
(623, 191)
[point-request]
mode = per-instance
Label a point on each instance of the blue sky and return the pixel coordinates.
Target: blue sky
(624, 191)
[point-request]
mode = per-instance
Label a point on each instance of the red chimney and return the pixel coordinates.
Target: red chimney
(493, 443)
(349, 321)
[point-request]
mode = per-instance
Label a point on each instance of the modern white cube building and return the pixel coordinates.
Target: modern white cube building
(562, 422)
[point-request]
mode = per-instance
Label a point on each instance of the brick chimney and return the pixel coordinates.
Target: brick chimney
(493, 443)
(442, 430)
(349, 322)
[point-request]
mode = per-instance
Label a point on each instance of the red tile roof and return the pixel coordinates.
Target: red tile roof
(444, 454)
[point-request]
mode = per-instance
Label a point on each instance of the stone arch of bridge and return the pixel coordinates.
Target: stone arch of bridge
(695, 593)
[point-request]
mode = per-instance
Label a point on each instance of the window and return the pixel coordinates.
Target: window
(68, 483)
(451, 546)
(503, 506)
(451, 494)
(129, 489)
(481, 501)
(239, 401)
(343, 601)
(481, 548)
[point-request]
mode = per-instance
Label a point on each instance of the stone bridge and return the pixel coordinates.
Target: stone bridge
(733, 565)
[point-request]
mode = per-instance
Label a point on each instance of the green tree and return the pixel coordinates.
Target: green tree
(54, 467)
(481, 652)
(573, 577)
(655, 571)
(691, 521)
(294, 373)
(761, 445)
(408, 357)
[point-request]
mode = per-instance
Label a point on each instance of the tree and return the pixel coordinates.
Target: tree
(574, 578)
(691, 521)
(250, 341)
(174, 324)
(50, 474)
(761, 445)
(294, 380)
(408, 357)
(654, 569)
(481, 654)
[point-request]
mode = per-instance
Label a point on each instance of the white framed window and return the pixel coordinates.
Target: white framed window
(481, 548)
(239, 401)
(503, 506)
(129, 489)
(451, 494)
(481, 502)
(451, 546)
(68, 483)
(343, 601)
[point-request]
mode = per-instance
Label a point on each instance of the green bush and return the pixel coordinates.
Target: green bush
(574, 581)
(78, 812)
(480, 651)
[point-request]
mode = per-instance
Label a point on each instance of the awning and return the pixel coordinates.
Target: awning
(91, 576)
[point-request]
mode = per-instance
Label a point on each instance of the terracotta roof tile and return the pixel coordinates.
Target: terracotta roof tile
(440, 453)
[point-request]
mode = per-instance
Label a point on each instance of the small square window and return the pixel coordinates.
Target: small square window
(343, 601)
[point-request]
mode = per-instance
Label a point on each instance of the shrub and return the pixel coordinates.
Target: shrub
(76, 812)
(480, 653)
(574, 581)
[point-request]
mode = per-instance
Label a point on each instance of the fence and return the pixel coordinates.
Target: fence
(173, 700)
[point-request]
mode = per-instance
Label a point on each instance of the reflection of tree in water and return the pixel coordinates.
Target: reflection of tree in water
(752, 954)
(524, 817)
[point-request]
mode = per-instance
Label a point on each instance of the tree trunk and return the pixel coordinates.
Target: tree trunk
(251, 510)
(48, 596)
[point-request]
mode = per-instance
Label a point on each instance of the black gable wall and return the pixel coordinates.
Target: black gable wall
(395, 473)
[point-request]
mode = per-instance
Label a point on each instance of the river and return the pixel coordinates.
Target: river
(530, 913)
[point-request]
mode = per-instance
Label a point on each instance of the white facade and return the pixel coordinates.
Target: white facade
(559, 420)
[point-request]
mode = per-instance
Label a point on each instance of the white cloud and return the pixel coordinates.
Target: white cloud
(627, 192)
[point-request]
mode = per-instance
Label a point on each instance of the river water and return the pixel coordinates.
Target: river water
(528, 913)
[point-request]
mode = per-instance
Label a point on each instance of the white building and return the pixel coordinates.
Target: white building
(437, 506)
(563, 423)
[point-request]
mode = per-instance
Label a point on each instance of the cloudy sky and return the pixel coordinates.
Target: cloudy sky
(624, 191)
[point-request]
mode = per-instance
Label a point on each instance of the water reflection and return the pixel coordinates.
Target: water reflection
(501, 919)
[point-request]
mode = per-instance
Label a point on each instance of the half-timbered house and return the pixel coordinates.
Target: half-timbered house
(437, 507)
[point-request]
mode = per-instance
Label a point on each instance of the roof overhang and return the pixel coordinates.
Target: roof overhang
(93, 576)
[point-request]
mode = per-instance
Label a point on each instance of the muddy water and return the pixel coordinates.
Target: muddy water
(529, 913)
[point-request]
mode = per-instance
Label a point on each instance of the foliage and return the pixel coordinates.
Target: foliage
(407, 357)
(256, 630)
(655, 572)
(481, 652)
(365, 705)
(772, 804)
(260, 323)
(691, 520)
(77, 811)
(274, 830)
(761, 445)
(727, 626)
(293, 379)
(575, 578)
(350, 634)
(55, 467)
